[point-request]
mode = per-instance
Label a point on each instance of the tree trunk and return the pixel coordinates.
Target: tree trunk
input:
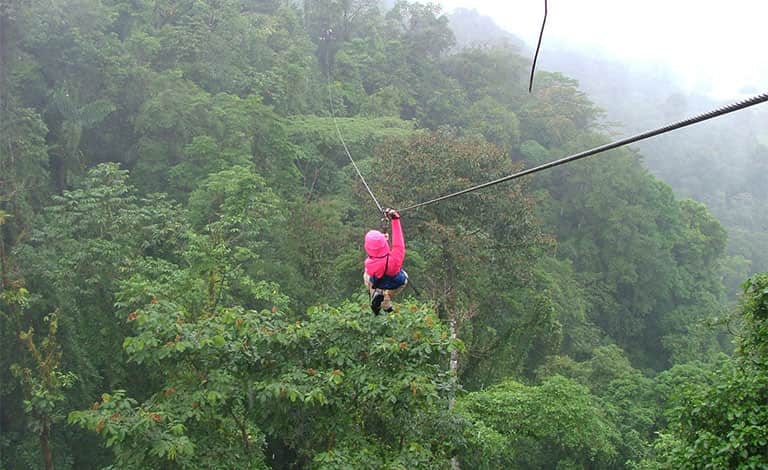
(4, 264)
(454, 363)
(453, 322)
(6, 8)
(45, 448)
(454, 366)
(58, 166)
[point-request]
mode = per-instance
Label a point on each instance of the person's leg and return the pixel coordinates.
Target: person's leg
(367, 282)
(377, 295)
(389, 293)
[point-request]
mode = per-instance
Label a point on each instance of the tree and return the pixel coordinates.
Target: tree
(322, 155)
(30, 373)
(631, 401)
(43, 382)
(498, 125)
(423, 29)
(499, 73)
(223, 322)
(83, 247)
(470, 246)
(340, 388)
(557, 424)
(630, 241)
(347, 19)
(557, 112)
(76, 118)
(723, 422)
(23, 166)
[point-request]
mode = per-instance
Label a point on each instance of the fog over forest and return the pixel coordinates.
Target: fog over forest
(717, 163)
(225, 243)
(708, 48)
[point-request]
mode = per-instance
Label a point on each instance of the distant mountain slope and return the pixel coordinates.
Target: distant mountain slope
(473, 29)
(714, 162)
(711, 162)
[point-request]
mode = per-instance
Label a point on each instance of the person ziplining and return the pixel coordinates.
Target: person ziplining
(383, 274)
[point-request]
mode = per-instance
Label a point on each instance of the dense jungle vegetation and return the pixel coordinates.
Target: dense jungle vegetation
(181, 254)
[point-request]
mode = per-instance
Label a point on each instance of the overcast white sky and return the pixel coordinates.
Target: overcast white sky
(715, 46)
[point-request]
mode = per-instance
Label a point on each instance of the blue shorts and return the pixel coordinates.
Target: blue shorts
(391, 282)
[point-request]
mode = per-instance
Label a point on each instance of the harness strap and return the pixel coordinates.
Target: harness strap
(378, 279)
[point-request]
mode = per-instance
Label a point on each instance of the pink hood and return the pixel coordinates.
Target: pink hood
(376, 244)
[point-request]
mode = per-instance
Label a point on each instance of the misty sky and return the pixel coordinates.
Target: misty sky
(716, 47)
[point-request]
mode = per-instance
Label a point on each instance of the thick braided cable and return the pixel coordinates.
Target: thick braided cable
(761, 98)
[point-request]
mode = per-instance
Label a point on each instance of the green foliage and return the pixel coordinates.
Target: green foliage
(83, 246)
(574, 112)
(498, 125)
(481, 70)
(424, 32)
(322, 155)
(382, 384)
(23, 166)
(76, 118)
(233, 204)
(557, 280)
(321, 246)
(631, 401)
(196, 338)
(318, 387)
(723, 423)
(557, 424)
(649, 263)
(39, 373)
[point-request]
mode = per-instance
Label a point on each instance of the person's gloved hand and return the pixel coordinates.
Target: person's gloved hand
(391, 214)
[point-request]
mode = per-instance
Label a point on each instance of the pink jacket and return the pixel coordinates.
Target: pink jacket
(377, 248)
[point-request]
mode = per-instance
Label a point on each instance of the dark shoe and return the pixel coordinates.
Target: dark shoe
(376, 300)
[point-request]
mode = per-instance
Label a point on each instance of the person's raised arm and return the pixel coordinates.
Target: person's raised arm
(397, 252)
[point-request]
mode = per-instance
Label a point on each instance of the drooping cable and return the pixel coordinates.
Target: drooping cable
(538, 46)
(603, 148)
(336, 124)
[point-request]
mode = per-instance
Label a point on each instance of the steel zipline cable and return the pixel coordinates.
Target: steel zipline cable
(338, 131)
(761, 98)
